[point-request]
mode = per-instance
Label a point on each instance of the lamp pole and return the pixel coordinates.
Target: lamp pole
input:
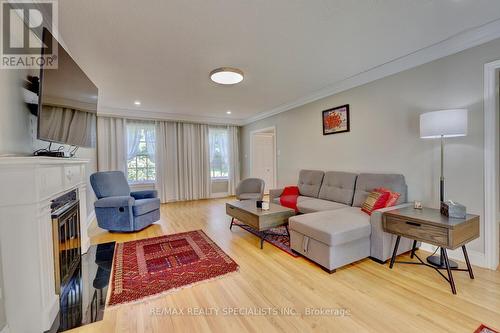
(441, 181)
(438, 261)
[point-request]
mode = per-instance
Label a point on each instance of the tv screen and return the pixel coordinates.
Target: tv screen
(67, 104)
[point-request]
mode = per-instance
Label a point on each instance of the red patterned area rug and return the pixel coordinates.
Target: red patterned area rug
(485, 329)
(279, 238)
(159, 265)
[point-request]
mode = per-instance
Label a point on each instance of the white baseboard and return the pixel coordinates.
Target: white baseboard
(90, 219)
(219, 195)
(5, 329)
(476, 258)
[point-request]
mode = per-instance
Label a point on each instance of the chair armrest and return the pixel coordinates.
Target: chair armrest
(148, 194)
(376, 217)
(114, 202)
(382, 242)
(275, 193)
(379, 212)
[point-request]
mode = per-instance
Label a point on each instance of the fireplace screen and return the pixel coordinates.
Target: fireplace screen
(67, 242)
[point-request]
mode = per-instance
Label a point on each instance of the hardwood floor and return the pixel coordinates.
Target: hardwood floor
(406, 299)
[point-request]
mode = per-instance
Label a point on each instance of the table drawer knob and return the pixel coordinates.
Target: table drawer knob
(414, 224)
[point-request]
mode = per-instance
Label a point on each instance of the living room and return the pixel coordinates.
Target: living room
(250, 166)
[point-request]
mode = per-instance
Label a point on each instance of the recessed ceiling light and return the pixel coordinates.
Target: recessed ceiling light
(228, 112)
(137, 103)
(226, 75)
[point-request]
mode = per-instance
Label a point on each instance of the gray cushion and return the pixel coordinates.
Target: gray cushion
(250, 196)
(338, 186)
(310, 182)
(143, 206)
(333, 227)
(300, 199)
(109, 184)
(250, 188)
(316, 205)
(367, 182)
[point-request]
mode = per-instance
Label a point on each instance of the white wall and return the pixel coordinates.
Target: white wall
(3, 320)
(14, 116)
(384, 133)
(18, 137)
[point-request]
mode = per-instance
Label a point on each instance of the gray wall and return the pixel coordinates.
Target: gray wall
(3, 320)
(384, 133)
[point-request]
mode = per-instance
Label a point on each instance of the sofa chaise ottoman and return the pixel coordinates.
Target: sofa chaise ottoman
(331, 229)
(331, 245)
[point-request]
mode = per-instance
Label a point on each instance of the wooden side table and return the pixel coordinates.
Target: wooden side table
(429, 226)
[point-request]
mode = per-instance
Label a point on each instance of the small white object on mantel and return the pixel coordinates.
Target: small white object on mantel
(27, 186)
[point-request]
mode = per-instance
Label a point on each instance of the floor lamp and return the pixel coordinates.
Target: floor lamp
(440, 125)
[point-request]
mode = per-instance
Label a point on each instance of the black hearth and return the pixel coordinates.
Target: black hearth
(81, 280)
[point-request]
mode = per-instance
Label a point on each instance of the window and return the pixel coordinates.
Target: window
(141, 141)
(219, 160)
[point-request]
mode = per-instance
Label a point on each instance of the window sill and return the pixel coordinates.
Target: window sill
(219, 180)
(141, 183)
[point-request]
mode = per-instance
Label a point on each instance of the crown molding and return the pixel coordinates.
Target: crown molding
(156, 115)
(454, 44)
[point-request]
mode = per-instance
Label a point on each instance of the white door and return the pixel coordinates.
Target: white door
(263, 158)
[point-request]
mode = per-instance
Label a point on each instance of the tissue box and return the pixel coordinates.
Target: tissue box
(453, 209)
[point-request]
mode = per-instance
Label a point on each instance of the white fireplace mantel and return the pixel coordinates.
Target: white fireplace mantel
(27, 186)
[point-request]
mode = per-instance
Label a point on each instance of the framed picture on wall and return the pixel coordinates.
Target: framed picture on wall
(336, 120)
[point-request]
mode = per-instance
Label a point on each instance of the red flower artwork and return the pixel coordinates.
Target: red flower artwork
(336, 120)
(333, 120)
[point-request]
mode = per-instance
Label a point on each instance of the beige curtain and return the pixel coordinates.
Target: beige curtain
(182, 159)
(234, 158)
(111, 144)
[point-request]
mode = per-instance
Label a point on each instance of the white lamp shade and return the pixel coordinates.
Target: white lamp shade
(443, 123)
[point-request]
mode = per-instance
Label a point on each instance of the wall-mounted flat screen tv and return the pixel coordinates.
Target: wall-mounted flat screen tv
(67, 104)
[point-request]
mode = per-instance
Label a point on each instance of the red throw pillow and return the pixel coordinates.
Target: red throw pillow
(290, 190)
(393, 196)
(374, 201)
(289, 197)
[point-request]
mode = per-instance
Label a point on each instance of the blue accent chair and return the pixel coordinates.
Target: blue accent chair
(118, 209)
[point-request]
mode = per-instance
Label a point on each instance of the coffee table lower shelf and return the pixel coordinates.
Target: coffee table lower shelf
(264, 233)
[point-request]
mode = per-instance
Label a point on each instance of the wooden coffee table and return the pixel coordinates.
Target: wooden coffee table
(246, 212)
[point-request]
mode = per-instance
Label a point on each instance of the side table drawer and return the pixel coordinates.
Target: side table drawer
(418, 231)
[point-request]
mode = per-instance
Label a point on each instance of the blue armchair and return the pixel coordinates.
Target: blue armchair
(118, 209)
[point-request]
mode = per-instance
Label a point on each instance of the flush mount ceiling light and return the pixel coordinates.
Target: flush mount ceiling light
(137, 103)
(226, 75)
(228, 112)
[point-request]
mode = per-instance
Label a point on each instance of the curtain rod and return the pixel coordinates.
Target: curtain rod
(105, 115)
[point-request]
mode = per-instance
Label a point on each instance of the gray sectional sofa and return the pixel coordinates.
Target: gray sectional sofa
(331, 229)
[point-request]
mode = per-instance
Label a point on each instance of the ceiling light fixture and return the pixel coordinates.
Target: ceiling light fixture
(226, 75)
(228, 112)
(137, 103)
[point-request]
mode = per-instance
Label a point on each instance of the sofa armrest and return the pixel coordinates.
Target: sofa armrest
(275, 193)
(115, 202)
(382, 243)
(147, 194)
